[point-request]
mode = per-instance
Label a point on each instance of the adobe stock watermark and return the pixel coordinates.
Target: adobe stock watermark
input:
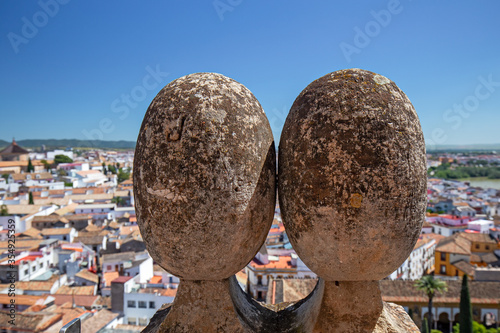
(460, 111)
(363, 37)
(223, 6)
(127, 101)
(30, 28)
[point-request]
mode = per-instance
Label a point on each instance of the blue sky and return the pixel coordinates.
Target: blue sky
(83, 69)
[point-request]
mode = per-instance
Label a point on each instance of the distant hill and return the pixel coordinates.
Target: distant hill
(74, 143)
(464, 148)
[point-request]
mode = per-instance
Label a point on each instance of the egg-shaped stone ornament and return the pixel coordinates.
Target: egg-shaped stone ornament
(204, 177)
(352, 176)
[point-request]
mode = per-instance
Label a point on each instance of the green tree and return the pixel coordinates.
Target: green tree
(477, 327)
(123, 175)
(4, 211)
(46, 164)
(31, 168)
(31, 201)
(58, 159)
(119, 201)
(430, 286)
(112, 169)
(425, 326)
(5, 176)
(465, 307)
(104, 168)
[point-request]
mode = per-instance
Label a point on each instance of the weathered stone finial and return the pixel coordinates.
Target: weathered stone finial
(352, 189)
(352, 182)
(204, 179)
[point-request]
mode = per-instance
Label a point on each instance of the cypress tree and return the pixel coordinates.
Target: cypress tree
(31, 168)
(465, 307)
(31, 202)
(425, 326)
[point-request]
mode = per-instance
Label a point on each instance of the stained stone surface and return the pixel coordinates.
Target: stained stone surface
(200, 307)
(352, 176)
(394, 319)
(349, 306)
(204, 177)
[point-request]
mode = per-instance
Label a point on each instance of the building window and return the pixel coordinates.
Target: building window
(109, 267)
(443, 256)
(142, 305)
(26, 272)
(259, 279)
(131, 304)
(41, 265)
(33, 269)
(487, 247)
(152, 305)
(477, 246)
(443, 269)
(143, 321)
(131, 321)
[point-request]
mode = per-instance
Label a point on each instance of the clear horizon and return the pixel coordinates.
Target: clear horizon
(71, 71)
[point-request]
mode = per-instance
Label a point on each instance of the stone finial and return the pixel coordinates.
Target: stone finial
(352, 176)
(204, 177)
(352, 189)
(204, 181)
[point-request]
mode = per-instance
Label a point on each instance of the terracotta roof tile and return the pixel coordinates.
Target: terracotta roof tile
(480, 292)
(454, 244)
(87, 275)
(98, 321)
(34, 322)
(84, 290)
(478, 238)
(86, 301)
(56, 231)
(465, 267)
(37, 285)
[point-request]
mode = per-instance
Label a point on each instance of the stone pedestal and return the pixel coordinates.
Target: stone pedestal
(349, 306)
(200, 307)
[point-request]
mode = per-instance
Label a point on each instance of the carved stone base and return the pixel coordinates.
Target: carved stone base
(221, 306)
(200, 307)
(349, 306)
(357, 307)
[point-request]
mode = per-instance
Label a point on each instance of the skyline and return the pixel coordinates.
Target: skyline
(82, 73)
